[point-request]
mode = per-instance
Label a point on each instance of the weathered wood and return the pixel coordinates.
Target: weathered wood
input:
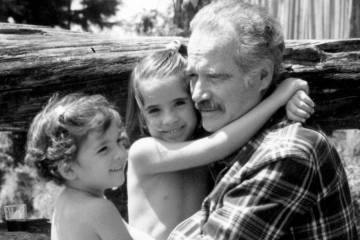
(332, 68)
(23, 236)
(37, 61)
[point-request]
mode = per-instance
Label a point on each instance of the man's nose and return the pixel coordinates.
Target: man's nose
(199, 91)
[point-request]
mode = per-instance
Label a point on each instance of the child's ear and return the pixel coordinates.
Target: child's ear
(66, 170)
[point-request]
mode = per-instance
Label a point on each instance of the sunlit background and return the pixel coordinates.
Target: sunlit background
(301, 19)
(128, 13)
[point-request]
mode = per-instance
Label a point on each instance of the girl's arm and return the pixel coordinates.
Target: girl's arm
(150, 155)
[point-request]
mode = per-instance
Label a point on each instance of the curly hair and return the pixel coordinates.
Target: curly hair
(57, 130)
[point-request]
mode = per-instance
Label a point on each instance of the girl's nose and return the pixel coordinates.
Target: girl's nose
(170, 117)
(121, 154)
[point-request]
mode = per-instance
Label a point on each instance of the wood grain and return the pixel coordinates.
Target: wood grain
(37, 61)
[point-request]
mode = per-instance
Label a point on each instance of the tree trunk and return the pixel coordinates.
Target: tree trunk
(37, 61)
(178, 13)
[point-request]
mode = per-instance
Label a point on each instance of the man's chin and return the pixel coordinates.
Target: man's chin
(212, 125)
(212, 121)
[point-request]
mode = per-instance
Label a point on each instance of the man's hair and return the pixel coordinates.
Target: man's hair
(158, 65)
(257, 35)
(59, 128)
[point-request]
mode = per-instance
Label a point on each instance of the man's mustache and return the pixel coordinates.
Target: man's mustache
(206, 105)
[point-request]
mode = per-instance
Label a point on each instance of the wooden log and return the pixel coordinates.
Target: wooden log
(332, 68)
(23, 236)
(37, 61)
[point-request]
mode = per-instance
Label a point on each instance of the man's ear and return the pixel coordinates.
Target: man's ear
(66, 170)
(266, 75)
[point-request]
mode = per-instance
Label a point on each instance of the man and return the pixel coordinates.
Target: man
(288, 181)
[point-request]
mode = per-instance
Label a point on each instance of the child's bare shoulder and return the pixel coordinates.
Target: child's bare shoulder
(97, 207)
(101, 212)
(88, 208)
(106, 220)
(143, 153)
(142, 148)
(97, 217)
(143, 145)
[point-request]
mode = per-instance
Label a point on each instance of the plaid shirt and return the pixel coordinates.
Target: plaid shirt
(286, 183)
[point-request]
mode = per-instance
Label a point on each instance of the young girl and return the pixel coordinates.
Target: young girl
(78, 141)
(162, 189)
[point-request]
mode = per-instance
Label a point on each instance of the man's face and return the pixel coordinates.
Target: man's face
(220, 90)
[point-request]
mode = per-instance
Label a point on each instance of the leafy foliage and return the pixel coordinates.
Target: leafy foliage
(347, 143)
(154, 23)
(175, 22)
(95, 12)
(58, 12)
(20, 184)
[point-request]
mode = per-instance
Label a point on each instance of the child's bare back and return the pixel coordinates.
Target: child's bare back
(79, 216)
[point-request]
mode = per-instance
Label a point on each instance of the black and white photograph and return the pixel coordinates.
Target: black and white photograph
(179, 119)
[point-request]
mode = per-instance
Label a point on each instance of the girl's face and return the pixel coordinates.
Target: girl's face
(168, 109)
(101, 160)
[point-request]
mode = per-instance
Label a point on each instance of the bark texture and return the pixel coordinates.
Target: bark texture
(37, 61)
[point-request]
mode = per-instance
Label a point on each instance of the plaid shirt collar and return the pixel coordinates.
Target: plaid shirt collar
(278, 120)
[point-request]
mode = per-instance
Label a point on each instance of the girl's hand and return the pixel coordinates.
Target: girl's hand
(300, 107)
(287, 88)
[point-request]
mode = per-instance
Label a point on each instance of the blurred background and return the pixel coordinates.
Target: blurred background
(301, 19)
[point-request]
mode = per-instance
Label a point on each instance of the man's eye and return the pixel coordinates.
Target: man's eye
(192, 77)
(103, 149)
(218, 77)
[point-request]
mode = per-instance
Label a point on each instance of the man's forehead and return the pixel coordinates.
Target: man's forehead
(200, 45)
(208, 55)
(207, 44)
